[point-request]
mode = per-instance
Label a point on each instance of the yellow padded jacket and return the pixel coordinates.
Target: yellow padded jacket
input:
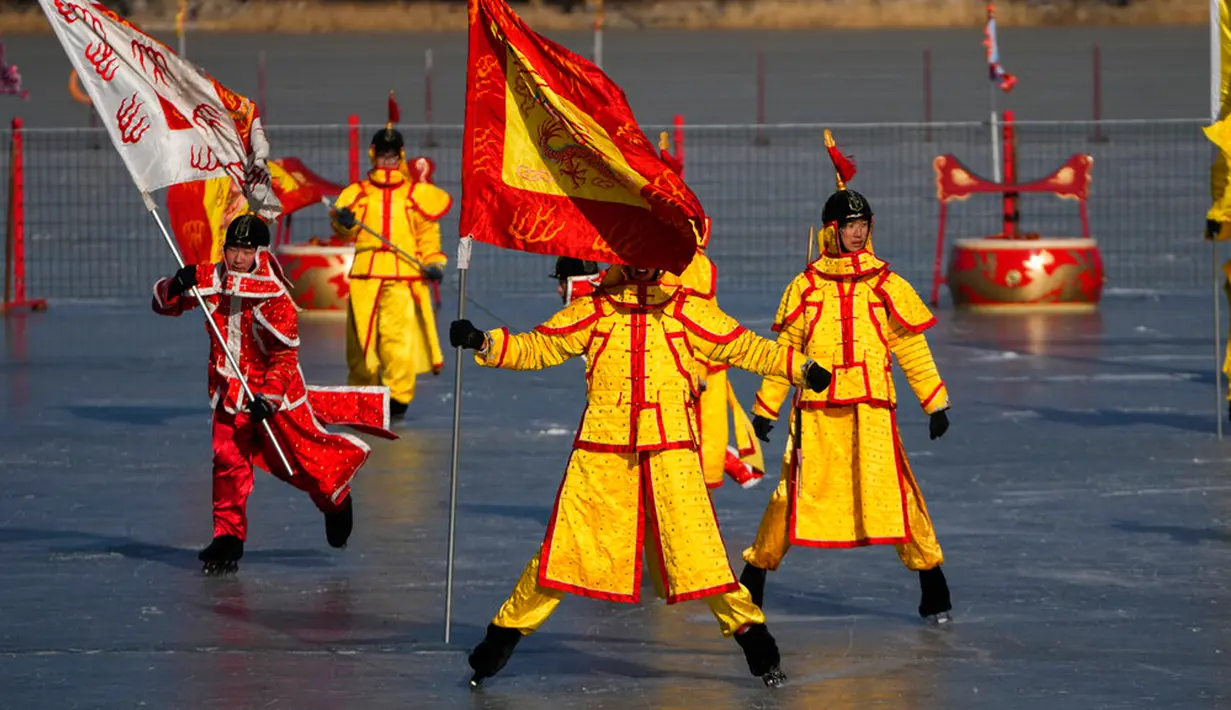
(849, 313)
(641, 341)
(401, 211)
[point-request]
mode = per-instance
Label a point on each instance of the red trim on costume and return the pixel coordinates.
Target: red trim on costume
(867, 383)
(766, 407)
(709, 335)
(932, 396)
(880, 291)
(569, 328)
(584, 445)
(679, 362)
(880, 333)
(847, 544)
(425, 213)
(869, 400)
(504, 347)
(721, 589)
(636, 352)
(647, 491)
(634, 598)
(593, 360)
(545, 550)
(367, 342)
(846, 302)
(899, 458)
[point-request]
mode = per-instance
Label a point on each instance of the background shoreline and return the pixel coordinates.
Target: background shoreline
(326, 17)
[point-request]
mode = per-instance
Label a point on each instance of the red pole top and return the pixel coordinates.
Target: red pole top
(16, 122)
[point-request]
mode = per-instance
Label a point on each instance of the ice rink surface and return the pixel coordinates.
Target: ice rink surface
(1081, 497)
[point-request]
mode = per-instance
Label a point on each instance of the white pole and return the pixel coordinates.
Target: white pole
(1215, 109)
(598, 36)
(222, 342)
(463, 265)
(995, 129)
(1215, 60)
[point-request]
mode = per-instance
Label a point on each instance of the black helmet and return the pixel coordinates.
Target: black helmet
(247, 230)
(567, 267)
(845, 206)
(387, 141)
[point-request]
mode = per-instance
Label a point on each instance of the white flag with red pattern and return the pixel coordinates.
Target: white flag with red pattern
(170, 121)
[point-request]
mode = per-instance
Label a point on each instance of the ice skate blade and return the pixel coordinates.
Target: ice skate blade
(941, 619)
(775, 678)
(219, 569)
(476, 682)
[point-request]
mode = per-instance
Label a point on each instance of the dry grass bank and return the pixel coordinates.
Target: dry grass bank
(313, 16)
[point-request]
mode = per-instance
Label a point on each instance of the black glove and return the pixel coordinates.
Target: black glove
(463, 334)
(818, 378)
(183, 280)
(346, 218)
(1212, 229)
(762, 427)
(434, 273)
(938, 424)
(260, 409)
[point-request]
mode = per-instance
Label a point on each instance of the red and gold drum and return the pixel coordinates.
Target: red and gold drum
(320, 275)
(1029, 274)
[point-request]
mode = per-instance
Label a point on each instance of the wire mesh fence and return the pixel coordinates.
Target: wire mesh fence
(88, 235)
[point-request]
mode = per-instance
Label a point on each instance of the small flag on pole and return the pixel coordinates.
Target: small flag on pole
(996, 73)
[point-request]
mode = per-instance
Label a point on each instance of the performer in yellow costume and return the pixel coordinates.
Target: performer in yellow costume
(742, 462)
(391, 327)
(632, 487)
(845, 478)
(1218, 218)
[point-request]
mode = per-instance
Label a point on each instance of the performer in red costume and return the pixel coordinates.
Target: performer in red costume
(248, 299)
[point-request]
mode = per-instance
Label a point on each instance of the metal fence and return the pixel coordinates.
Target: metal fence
(88, 235)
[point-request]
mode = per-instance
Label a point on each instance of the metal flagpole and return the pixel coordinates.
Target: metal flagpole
(1218, 393)
(1215, 109)
(995, 142)
(222, 342)
(463, 265)
(598, 36)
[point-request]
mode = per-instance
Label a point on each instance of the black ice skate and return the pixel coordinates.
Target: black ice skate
(222, 556)
(338, 525)
(934, 605)
(761, 652)
(397, 410)
(753, 578)
(492, 653)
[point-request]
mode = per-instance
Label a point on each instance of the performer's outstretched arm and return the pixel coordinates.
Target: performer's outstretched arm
(790, 327)
(721, 338)
(170, 294)
(564, 336)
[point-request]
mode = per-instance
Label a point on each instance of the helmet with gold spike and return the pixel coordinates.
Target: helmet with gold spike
(844, 205)
(388, 140)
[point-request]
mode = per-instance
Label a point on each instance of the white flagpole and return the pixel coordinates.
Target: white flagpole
(463, 265)
(222, 342)
(1215, 108)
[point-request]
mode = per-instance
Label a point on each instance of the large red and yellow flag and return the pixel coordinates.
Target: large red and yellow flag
(200, 210)
(553, 160)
